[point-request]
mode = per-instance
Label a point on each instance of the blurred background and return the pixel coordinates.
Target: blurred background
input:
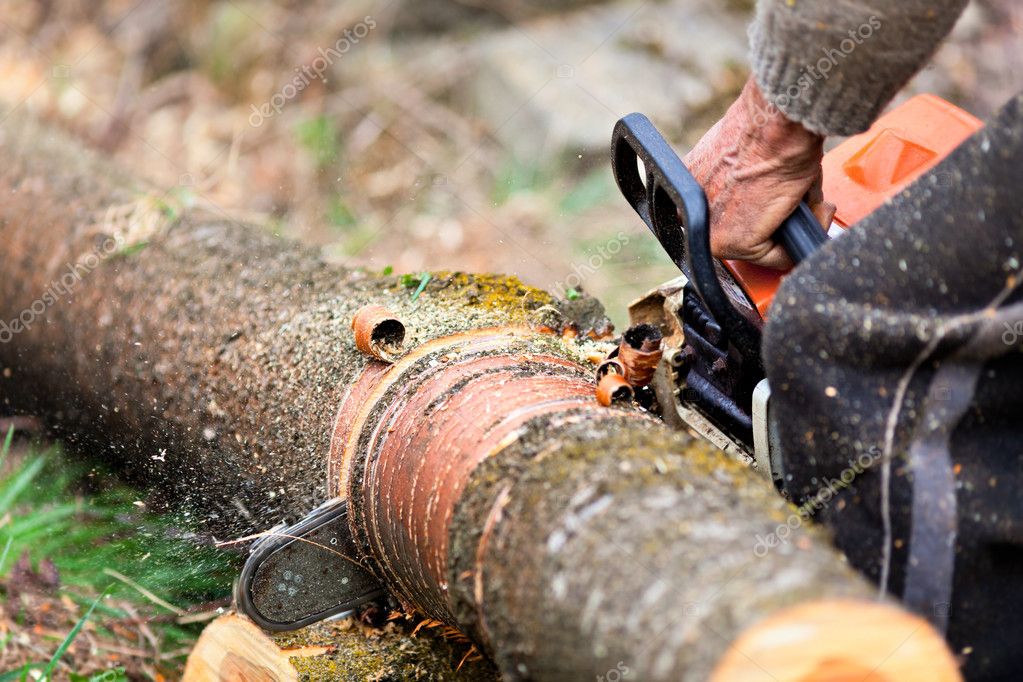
(413, 135)
(426, 134)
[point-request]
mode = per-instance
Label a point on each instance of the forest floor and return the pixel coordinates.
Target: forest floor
(435, 134)
(96, 587)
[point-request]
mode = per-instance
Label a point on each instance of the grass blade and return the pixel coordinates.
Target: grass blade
(21, 481)
(424, 280)
(7, 444)
(19, 673)
(3, 557)
(66, 644)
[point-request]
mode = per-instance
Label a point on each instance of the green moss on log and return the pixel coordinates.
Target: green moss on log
(390, 654)
(642, 546)
(211, 363)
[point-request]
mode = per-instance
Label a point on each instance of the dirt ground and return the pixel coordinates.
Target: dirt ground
(420, 135)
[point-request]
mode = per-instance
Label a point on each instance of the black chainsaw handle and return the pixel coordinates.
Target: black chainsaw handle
(669, 190)
(674, 206)
(800, 235)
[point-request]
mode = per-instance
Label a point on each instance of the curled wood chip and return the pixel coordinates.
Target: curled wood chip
(610, 366)
(639, 352)
(378, 332)
(613, 389)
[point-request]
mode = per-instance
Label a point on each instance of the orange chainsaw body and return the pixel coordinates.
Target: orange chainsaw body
(867, 169)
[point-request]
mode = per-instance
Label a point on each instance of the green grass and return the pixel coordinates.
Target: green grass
(47, 517)
(340, 215)
(518, 177)
(595, 189)
(319, 137)
(70, 638)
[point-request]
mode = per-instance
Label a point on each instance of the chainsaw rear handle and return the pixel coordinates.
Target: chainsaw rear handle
(800, 235)
(674, 206)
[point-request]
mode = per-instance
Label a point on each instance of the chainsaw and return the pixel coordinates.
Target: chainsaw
(710, 379)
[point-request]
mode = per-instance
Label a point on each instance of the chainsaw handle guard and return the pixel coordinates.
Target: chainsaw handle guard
(668, 184)
(674, 206)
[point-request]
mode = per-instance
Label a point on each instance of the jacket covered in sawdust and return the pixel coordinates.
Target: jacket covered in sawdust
(902, 340)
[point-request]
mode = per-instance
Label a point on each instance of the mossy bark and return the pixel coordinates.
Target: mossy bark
(642, 554)
(200, 355)
(210, 359)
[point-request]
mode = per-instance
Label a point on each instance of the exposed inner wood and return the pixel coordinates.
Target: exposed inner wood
(836, 641)
(232, 649)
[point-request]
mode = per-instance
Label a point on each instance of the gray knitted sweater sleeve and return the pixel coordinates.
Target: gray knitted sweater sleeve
(833, 65)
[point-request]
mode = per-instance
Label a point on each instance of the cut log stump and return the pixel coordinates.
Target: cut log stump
(829, 641)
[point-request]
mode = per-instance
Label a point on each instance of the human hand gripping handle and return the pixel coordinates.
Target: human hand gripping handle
(762, 176)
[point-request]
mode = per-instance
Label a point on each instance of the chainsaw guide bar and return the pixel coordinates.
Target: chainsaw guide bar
(302, 574)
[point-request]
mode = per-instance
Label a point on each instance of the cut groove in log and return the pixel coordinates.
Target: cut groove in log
(564, 537)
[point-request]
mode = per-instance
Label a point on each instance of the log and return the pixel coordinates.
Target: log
(486, 485)
(233, 649)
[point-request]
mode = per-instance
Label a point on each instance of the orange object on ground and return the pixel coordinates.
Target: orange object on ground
(867, 169)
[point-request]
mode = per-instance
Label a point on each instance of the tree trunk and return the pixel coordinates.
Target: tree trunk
(486, 485)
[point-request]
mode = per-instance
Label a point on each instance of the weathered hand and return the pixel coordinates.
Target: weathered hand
(756, 166)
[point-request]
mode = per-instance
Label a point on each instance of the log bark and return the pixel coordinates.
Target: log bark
(487, 486)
